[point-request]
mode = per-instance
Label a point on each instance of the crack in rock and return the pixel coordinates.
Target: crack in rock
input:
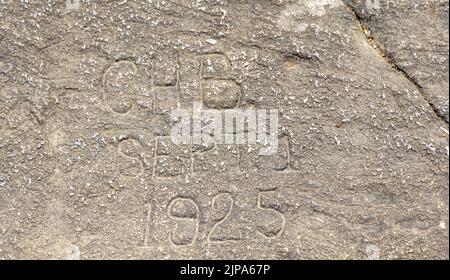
(371, 41)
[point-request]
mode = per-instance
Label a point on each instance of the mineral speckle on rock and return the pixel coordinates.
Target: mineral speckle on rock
(89, 168)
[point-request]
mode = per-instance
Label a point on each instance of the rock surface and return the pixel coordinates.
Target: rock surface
(88, 170)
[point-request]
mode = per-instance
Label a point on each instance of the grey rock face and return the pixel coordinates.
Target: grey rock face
(413, 35)
(89, 171)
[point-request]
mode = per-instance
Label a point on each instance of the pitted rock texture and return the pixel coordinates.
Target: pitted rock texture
(88, 169)
(413, 35)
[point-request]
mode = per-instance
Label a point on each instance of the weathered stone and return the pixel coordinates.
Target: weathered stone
(88, 170)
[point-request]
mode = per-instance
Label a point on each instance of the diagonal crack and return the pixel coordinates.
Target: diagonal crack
(390, 60)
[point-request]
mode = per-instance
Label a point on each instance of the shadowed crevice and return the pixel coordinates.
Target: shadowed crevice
(372, 41)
